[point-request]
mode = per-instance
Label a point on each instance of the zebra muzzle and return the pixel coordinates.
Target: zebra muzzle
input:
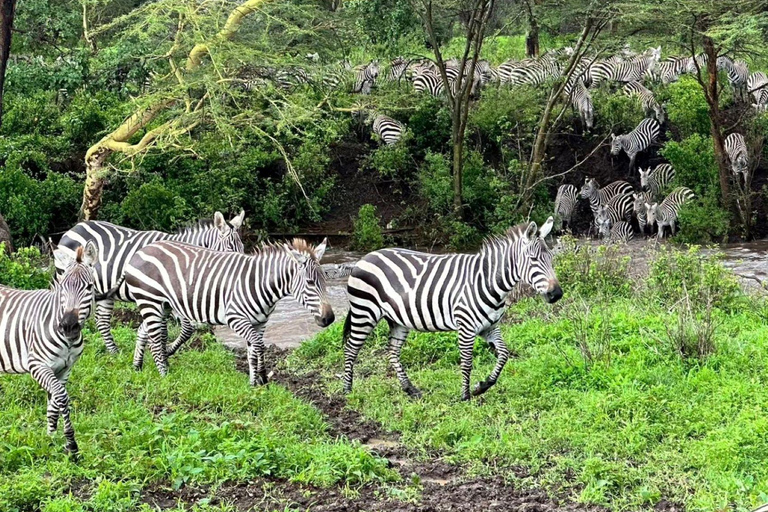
(70, 324)
(326, 317)
(554, 294)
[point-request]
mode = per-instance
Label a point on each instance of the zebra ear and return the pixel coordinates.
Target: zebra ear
(546, 227)
(613, 137)
(530, 233)
(320, 249)
(237, 222)
(219, 222)
(90, 254)
(298, 256)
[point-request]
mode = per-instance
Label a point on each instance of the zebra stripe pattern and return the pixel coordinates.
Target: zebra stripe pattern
(447, 292)
(619, 233)
(617, 209)
(669, 70)
(429, 81)
(337, 271)
(654, 181)
(219, 288)
(565, 204)
(736, 149)
(41, 332)
(738, 75)
(647, 100)
(637, 140)
(756, 85)
(631, 70)
(531, 71)
(665, 214)
(387, 129)
(641, 214)
(598, 197)
(365, 77)
(116, 245)
(581, 100)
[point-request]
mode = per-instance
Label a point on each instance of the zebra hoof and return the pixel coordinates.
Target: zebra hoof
(465, 396)
(261, 378)
(481, 387)
(412, 391)
(72, 450)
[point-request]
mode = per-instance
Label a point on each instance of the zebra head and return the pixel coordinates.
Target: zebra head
(74, 289)
(617, 142)
(603, 221)
(229, 233)
(307, 286)
(589, 189)
(535, 264)
(644, 179)
(651, 212)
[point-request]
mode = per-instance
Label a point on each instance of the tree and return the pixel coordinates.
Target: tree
(475, 15)
(7, 11)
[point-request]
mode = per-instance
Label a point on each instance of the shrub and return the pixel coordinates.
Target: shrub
(507, 116)
(392, 161)
(367, 235)
(694, 161)
(25, 269)
(587, 271)
(153, 206)
(616, 113)
(687, 109)
(701, 221)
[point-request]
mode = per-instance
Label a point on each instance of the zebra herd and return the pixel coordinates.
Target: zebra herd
(201, 275)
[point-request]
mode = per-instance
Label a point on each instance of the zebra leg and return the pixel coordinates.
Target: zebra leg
(357, 327)
(157, 332)
(187, 330)
(141, 345)
(631, 163)
(58, 400)
(397, 336)
(493, 337)
(103, 318)
(254, 339)
(466, 343)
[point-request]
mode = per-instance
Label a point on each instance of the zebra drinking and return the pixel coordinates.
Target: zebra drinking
(618, 233)
(665, 214)
(447, 292)
(116, 245)
(40, 332)
(636, 141)
(736, 149)
(218, 288)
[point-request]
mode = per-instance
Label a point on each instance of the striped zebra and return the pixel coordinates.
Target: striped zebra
(218, 288)
(738, 75)
(631, 70)
(639, 199)
(599, 196)
(736, 149)
(654, 181)
(398, 69)
(618, 233)
(669, 70)
(756, 86)
(647, 100)
(761, 108)
(339, 271)
(665, 214)
(637, 140)
(617, 209)
(116, 245)
(532, 71)
(565, 204)
(429, 81)
(488, 73)
(41, 332)
(387, 129)
(447, 292)
(365, 77)
(291, 77)
(581, 100)
(337, 76)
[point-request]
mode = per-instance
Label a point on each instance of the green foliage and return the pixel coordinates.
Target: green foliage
(687, 109)
(508, 117)
(615, 111)
(25, 269)
(587, 271)
(367, 235)
(153, 206)
(392, 25)
(702, 221)
(694, 161)
(393, 161)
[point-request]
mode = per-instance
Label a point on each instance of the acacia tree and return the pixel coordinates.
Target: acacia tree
(476, 15)
(7, 11)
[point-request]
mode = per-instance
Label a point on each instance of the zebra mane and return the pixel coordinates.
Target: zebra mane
(299, 244)
(510, 235)
(194, 227)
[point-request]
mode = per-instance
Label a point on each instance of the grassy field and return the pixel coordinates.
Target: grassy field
(621, 395)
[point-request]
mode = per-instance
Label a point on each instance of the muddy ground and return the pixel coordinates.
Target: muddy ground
(444, 487)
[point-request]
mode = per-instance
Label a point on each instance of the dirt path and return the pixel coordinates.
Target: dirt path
(444, 487)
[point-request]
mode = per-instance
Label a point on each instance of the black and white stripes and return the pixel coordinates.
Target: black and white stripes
(736, 149)
(565, 204)
(647, 100)
(447, 292)
(637, 140)
(654, 181)
(387, 129)
(665, 214)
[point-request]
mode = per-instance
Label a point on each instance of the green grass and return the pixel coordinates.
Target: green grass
(203, 424)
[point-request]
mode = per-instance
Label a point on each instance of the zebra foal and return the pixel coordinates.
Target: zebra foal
(448, 292)
(217, 288)
(40, 332)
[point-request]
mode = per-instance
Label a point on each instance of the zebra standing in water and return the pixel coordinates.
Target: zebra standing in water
(565, 204)
(387, 129)
(654, 181)
(218, 288)
(649, 103)
(116, 245)
(447, 292)
(736, 149)
(665, 214)
(41, 332)
(636, 141)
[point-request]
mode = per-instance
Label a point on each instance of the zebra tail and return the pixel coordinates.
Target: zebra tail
(347, 328)
(109, 294)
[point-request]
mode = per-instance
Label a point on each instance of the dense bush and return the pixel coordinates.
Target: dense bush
(687, 109)
(587, 271)
(702, 220)
(615, 112)
(694, 161)
(367, 235)
(25, 269)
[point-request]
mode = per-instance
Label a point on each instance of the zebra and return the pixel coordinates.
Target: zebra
(669, 70)
(738, 75)
(337, 271)
(649, 103)
(631, 70)
(531, 71)
(291, 77)
(637, 140)
(429, 81)
(218, 288)
(655, 180)
(639, 199)
(387, 129)
(488, 73)
(398, 69)
(117, 244)
(581, 100)
(736, 149)
(756, 85)
(665, 214)
(761, 108)
(565, 204)
(618, 233)
(41, 332)
(599, 196)
(337, 76)
(446, 292)
(618, 208)
(365, 77)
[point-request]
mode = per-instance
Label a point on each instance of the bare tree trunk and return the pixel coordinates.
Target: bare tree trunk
(532, 38)
(7, 11)
(711, 94)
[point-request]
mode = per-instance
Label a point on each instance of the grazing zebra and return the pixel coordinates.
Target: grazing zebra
(581, 100)
(429, 81)
(618, 233)
(631, 70)
(41, 332)
(736, 149)
(219, 288)
(655, 180)
(387, 129)
(649, 103)
(599, 196)
(639, 199)
(446, 292)
(756, 85)
(291, 77)
(665, 214)
(637, 140)
(116, 245)
(738, 75)
(565, 204)
(338, 271)
(365, 77)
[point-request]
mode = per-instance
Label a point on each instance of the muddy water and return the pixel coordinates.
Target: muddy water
(290, 324)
